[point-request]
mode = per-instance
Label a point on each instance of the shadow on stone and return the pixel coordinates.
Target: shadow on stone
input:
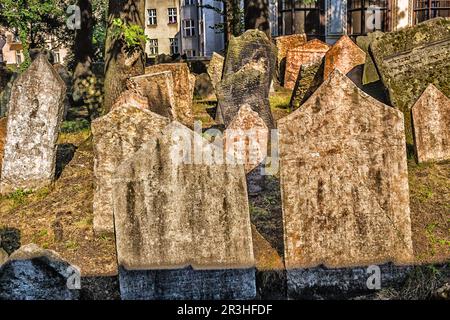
(64, 154)
(9, 239)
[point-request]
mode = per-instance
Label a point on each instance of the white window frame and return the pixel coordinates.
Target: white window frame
(153, 47)
(152, 19)
(189, 28)
(173, 15)
(173, 46)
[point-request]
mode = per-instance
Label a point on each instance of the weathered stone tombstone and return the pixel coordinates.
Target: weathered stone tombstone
(34, 117)
(309, 53)
(246, 141)
(344, 182)
(248, 72)
(183, 89)
(284, 44)
(411, 58)
(305, 82)
(116, 137)
(32, 273)
(204, 88)
(174, 239)
(2, 140)
(344, 55)
(370, 73)
(215, 68)
(158, 88)
(431, 124)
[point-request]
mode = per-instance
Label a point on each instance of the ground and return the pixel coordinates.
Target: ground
(60, 217)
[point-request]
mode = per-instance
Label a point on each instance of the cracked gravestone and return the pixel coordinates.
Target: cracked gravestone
(410, 59)
(309, 53)
(158, 88)
(344, 55)
(182, 227)
(431, 124)
(344, 181)
(246, 142)
(116, 137)
(215, 68)
(182, 90)
(34, 117)
(248, 72)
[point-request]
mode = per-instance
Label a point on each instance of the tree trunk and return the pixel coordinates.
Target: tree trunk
(257, 15)
(83, 48)
(120, 64)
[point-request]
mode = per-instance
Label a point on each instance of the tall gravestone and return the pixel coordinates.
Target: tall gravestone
(311, 52)
(370, 73)
(116, 137)
(284, 44)
(431, 124)
(411, 58)
(158, 88)
(215, 68)
(183, 89)
(344, 182)
(34, 117)
(249, 68)
(344, 55)
(246, 142)
(308, 80)
(2, 140)
(182, 227)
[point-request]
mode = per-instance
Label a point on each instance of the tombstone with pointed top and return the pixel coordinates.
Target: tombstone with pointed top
(36, 109)
(284, 45)
(344, 55)
(180, 233)
(116, 137)
(431, 124)
(215, 68)
(344, 181)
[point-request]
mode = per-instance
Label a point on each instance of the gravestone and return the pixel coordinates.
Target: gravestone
(158, 88)
(180, 233)
(32, 273)
(284, 45)
(182, 89)
(248, 72)
(411, 58)
(116, 137)
(34, 117)
(215, 68)
(204, 89)
(246, 142)
(370, 73)
(309, 53)
(307, 75)
(344, 181)
(431, 124)
(344, 55)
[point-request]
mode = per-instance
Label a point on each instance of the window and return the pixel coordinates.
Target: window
(428, 9)
(152, 21)
(56, 57)
(189, 2)
(297, 17)
(18, 57)
(189, 53)
(366, 16)
(189, 28)
(153, 47)
(172, 15)
(174, 46)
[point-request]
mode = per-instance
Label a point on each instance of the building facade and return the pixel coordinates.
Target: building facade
(183, 27)
(330, 19)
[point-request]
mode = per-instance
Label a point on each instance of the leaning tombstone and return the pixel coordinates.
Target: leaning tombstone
(248, 73)
(158, 88)
(182, 89)
(215, 68)
(344, 185)
(370, 73)
(344, 55)
(309, 53)
(116, 137)
(431, 125)
(246, 141)
(34, 117)
(411, 58)
(182, 227)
